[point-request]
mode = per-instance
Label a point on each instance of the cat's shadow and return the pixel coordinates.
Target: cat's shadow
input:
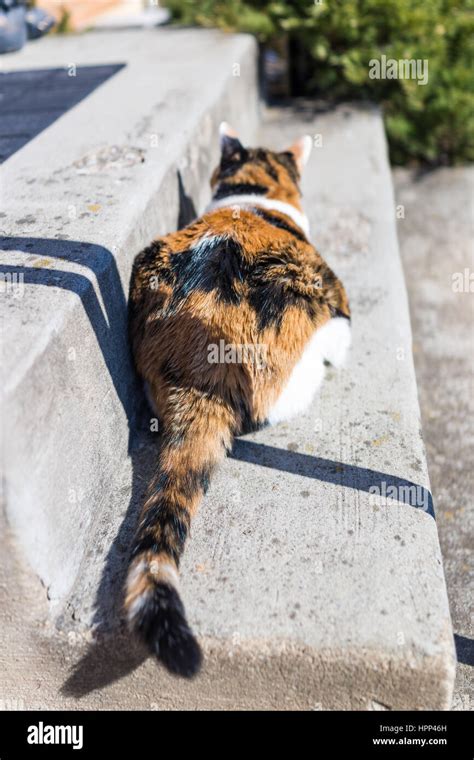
(113, 653)
(109, 323)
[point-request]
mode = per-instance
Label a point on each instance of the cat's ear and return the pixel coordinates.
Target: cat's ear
(300, 150)
(230, 143)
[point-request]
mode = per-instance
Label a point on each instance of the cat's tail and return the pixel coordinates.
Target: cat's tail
(196, 438)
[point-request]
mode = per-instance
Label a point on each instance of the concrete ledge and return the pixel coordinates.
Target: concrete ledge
(78, 202)
(314, 574)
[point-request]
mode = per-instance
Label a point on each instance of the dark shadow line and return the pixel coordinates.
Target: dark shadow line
(106, 311)
(464, 649)
(82, 286)
(340, 474)
(46, 94)
(110, 329)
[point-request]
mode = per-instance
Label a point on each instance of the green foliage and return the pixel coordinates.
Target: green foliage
(64, 24)
(431, 123)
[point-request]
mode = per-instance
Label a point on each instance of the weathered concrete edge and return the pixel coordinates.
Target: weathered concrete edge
(289, 674)
(151, 218)
(404, 678)
(433, 661)
(257, 674)
(426, 681)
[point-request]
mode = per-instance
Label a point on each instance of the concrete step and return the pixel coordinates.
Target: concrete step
(77, 203)
(313, 576)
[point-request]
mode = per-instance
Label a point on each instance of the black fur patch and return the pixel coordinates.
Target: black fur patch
(149, 256)
(262, 158)
(150, 260)
(165, 532)
(247, 423)
(169, 373)
(271, 295)
(269, 301)
(232, 162)
(276, 221)
(194, 480)
(162, 625)
(286, 159)
(166, 512)
(212, 265)
(239, 188)
(166, 524)
(230, 147)
(338, 313)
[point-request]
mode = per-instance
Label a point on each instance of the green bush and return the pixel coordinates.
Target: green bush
(431, 123)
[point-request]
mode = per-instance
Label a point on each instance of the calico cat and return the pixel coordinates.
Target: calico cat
(242, 275)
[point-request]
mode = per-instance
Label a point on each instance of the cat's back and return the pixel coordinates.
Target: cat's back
(228, 255)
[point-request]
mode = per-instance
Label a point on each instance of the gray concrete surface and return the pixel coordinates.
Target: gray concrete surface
(307, 589)
(436, 234)
(32, 100)
(77, 203)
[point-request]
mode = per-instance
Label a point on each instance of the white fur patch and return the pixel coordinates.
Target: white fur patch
(270, 204)
(164, 571)
(329, 343)
(307, 146)
(134, 574)
(207, 242)
(133, 577)
(137, 605)
(335, 339)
